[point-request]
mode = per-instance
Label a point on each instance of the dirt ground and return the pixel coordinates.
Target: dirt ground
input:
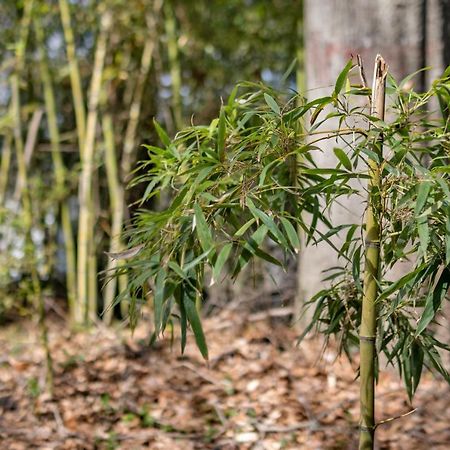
(259, 391)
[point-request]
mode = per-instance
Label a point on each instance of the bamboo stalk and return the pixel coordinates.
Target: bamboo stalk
(38, 299)
(174, 63)
(86, 177)
(30, 144)
(59, 168)
(92, 268)
(300, 73)
(301, 316)
(116, 198)
(4, 166)
(74, 71)
(79, 307)
(372, 272)
(136, 102)
(15, 94)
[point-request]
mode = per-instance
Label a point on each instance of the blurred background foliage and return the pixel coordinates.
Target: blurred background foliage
(170, 60)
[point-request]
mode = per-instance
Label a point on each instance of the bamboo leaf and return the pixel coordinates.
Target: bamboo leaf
(343, 158)
(269, 258)
(272, 103)
(416, 364)
(221, 260)
(340, 82)
(424, 233)
(196, 325)
(161, 133)
(190, 265)
(183, 319)
(245, 227)
(268, 221)
(158, 300)
(423, 190)
(221, 135)
(249, 249)
(433, 302)
(203, 231)
(291, 233)
(126, 254)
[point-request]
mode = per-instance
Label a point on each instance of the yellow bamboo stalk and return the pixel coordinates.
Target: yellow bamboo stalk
(30, 144)
(74, 71)
(129, 147)
(79, 306)
(174, 63)
(301, 316)
(5, 165)
(38, 299)
(372, 271)
(87, 157)
(15, 92)
(116, 198)
(59, 168)
(92, 268)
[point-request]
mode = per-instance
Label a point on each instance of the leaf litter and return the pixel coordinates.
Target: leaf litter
(258, 392)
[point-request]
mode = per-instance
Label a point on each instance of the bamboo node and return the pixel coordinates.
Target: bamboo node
(367, 429)
(373, 244)
(367, 338)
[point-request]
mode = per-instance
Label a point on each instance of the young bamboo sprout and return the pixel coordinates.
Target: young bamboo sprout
(372, 270)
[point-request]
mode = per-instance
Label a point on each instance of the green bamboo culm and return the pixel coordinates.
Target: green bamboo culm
(86, 274)
(174, 63)
(76, 310)
(5, 164)
(372, 270)
(58, 165)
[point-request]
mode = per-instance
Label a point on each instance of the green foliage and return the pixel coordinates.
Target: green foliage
(415, 230)
(233, 186)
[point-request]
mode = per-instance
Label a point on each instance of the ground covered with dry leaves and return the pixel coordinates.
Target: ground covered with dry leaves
(259, 392)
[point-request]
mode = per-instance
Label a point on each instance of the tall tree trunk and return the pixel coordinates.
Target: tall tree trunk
(334, 31)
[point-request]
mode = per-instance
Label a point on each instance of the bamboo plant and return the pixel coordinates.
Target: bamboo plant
(86, 219)
(372, 269)
(58, 165)
(174, 63)
(128, 157)
(231, 188)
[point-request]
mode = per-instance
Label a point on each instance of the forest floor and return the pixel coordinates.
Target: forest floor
(259, 391)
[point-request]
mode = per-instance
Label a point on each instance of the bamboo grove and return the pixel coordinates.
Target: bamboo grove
(214, 200)
(81, 85)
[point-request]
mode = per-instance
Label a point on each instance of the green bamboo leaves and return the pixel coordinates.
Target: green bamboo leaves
(232, 194)
(231, 191)
(203, 232)
(272, 104)
(342, 78)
